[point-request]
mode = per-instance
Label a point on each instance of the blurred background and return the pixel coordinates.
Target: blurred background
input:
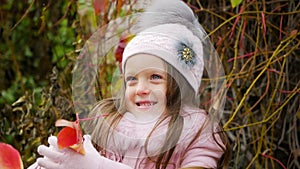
(257, 41)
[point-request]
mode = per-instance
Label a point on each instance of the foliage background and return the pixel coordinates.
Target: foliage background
(257, 40)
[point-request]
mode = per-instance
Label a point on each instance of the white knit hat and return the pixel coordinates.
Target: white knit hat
(173, 41)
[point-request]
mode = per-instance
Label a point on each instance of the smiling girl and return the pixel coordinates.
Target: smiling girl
(146, 87)
(155, 121)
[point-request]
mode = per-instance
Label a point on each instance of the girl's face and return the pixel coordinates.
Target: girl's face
(146, 86)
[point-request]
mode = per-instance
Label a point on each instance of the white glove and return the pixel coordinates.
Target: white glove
(35, 166)
(67, 158)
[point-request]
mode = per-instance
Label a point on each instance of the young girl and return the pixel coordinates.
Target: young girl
(155, 121)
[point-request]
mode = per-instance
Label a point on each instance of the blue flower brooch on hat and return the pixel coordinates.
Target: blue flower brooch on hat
(186, 55)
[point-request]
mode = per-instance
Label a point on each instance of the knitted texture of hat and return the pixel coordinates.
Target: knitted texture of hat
(165, 42)
(169, 39)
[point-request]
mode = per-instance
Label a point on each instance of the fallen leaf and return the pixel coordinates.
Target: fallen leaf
(10, 157)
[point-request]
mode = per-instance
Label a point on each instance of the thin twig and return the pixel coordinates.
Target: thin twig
(23, 16)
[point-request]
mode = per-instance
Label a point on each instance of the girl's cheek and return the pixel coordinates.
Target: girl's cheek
(161, 88)
(129, 92)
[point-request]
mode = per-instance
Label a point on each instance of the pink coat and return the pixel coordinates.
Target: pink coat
(127, 144)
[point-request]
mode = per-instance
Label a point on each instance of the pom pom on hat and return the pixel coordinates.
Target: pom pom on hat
(167, 12)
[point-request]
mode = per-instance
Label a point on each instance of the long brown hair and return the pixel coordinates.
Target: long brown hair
(114, 108)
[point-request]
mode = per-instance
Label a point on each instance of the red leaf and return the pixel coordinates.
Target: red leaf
(71, 135)
(9, 157)
(99, 5)
(66, 137)
(120, 49)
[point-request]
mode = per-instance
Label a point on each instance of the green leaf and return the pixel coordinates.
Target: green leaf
(235, 3)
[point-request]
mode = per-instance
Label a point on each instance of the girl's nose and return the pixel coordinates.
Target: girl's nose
(142, 88)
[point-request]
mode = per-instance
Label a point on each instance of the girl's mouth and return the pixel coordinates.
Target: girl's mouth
(145, 104)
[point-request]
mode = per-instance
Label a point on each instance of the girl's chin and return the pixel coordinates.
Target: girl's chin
(147, 110)
(154, 109)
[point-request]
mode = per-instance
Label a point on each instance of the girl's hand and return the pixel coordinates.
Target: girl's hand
(55, 158)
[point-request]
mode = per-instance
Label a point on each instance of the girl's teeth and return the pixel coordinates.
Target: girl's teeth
(146, 104)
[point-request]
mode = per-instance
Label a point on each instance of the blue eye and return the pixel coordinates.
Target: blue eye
(130, 78)
(156, 77)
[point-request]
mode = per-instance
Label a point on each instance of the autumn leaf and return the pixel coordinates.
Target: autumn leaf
(99, 6)
(235, 3)
(66, 137)
(10, 157)
(70, 136)
(122, 44)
